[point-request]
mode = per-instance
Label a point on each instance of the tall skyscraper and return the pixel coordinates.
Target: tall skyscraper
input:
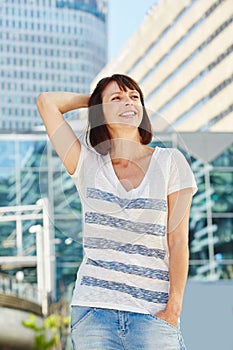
(47, 45)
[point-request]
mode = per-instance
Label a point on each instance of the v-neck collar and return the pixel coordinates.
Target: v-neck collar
(118, 182)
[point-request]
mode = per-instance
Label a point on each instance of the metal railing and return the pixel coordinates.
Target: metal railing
(11, 286)
(43, 261)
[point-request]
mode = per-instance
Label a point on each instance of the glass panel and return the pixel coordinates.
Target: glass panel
(32, 154)
(201, 272)
(7, 188)
(221, 183)
(66, 198)
(225, 159)
(69, 242)
(160, 143)
(198, 238)
(29, 184)
(69, 228)
(224, 238)
(225, 271)
(8, 239)
(43, 183)
(199, 204)
(69, 251)
(29, 239)
(7, 151)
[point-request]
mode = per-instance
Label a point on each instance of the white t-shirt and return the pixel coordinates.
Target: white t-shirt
(125, 265)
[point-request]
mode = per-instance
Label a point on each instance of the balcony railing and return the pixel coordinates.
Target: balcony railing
(11, 286)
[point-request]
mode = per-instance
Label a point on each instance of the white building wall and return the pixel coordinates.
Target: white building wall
(181, 56)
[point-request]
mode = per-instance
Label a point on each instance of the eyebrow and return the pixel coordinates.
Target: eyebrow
(119, 92)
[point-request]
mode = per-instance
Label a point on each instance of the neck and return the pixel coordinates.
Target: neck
(124, 141)
(126, 149)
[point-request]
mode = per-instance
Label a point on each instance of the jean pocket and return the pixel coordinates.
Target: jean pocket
(79, 314)
(165, 323)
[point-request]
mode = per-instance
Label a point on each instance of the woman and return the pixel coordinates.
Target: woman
(136, 202)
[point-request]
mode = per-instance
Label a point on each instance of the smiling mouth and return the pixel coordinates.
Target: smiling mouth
(128, 114)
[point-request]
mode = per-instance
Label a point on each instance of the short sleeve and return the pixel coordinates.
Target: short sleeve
(82, 155)
(181, 175)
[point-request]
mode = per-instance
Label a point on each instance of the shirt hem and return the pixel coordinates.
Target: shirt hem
(111, 307)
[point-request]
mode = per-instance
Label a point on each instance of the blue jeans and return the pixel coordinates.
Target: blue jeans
(106, 329)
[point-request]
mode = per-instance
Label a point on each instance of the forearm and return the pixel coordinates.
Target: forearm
(178, 272)
(62, 101)
(178, 222)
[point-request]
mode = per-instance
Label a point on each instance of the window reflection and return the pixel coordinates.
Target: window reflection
(221, 182)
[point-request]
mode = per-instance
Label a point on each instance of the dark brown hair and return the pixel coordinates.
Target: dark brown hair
(97, 133)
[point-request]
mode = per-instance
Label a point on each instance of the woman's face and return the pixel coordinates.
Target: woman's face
(121, 108)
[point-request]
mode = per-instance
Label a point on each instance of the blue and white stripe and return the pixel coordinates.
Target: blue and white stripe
(127, 225)
(136, 203)
(130, 269)
(128, 248)
(135, 292)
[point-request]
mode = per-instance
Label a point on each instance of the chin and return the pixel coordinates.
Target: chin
(129, 125)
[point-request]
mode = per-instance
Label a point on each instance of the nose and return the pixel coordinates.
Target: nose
(128, 101)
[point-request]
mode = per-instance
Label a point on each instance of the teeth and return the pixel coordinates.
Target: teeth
(128, 114)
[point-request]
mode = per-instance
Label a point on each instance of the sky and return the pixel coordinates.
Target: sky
(125, 17)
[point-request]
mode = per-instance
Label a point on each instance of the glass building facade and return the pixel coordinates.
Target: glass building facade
(211, 223)
(31, 170)
(47, 45)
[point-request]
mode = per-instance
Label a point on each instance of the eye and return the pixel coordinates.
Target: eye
(115, 98)
(135, 97)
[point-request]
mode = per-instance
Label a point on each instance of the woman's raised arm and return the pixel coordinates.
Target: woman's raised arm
(51, 106)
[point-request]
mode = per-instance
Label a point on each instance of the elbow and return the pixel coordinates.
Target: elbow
(41, 100)
(42, 103)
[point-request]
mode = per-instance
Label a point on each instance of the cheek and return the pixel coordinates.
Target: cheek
(140, 109)
(106, 109)
(109, 110)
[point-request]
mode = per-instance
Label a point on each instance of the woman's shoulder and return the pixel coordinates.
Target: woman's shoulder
(166, 151)
(170, 151)
(170, 155)
(89, 159)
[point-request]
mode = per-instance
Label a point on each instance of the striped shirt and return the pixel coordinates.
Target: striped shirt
(125, 263)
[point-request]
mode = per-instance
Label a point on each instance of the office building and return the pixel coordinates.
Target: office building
(182, 58)
(47, 45)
